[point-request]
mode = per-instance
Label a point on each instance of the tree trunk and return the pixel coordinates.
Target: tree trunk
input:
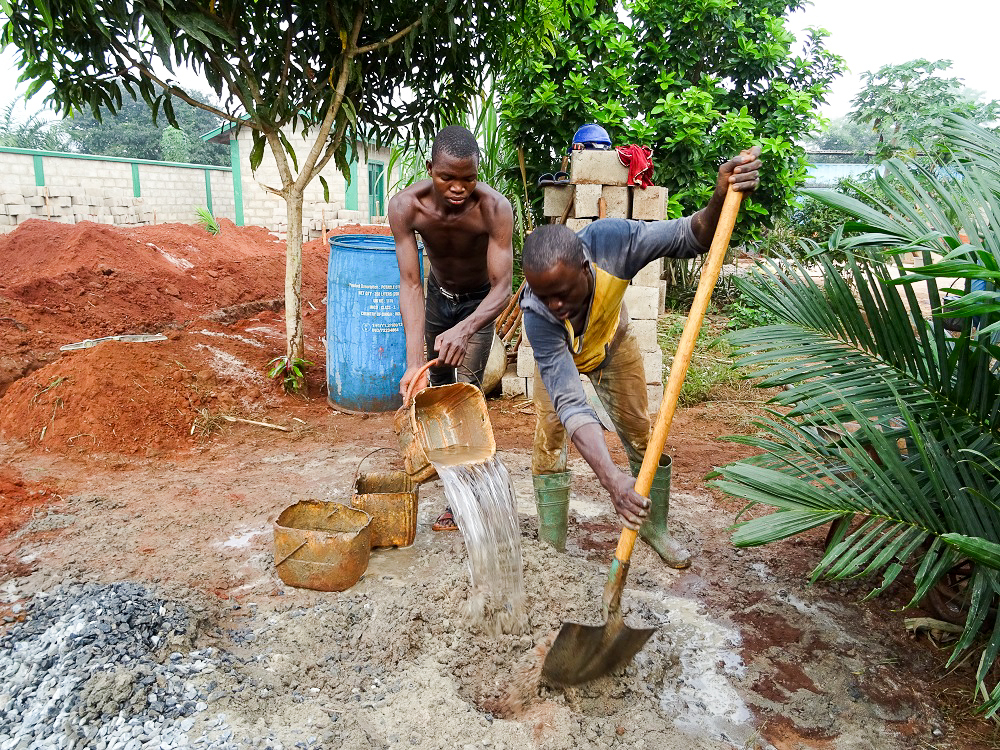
(293, 276)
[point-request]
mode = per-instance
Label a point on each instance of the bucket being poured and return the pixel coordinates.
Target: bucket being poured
(446, 424)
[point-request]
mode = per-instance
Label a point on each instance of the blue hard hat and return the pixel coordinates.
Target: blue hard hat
(592, 135)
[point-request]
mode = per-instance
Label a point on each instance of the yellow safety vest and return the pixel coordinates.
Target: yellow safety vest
(590, 347)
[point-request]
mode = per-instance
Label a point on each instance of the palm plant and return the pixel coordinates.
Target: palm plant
(35, 131)
(911, 481)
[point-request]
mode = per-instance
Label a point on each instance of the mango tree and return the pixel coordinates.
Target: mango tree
(338, 73)
(697, 81)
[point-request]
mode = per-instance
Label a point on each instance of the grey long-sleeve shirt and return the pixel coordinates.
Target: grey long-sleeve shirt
(617, 250)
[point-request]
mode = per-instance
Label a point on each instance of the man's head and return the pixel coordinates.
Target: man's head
(454, 164)
(556, 269)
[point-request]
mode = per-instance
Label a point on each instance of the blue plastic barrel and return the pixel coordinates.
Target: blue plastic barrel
(365, 342)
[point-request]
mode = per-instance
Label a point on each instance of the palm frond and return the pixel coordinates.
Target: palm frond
(913, 475)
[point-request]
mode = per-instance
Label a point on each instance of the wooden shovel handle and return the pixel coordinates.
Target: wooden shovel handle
(678, 369)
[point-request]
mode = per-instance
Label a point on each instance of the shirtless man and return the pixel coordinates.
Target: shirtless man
(466, 227)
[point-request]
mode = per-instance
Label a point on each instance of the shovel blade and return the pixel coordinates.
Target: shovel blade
(585, 652)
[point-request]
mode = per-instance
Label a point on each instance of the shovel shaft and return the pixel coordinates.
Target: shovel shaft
(678, 370)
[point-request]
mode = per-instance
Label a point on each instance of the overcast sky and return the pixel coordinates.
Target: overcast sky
(871, 33)
(867, 33)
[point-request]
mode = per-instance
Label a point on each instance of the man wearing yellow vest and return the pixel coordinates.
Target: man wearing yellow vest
(576, 321)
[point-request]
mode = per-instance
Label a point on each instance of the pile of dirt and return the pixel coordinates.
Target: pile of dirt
(145, 398)
(65, 283)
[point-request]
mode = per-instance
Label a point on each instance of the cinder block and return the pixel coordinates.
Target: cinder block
(598, 168)
(525, 361)
(511, 385)
(555, 200)
(577, 224)
(615, 202)
(641, 302)
(650, 274)
(12, 198)
(645, 334)
(529, 387)
(652, 363)
(654, 393)
(586, 200)
(35, 200)
(649, 204)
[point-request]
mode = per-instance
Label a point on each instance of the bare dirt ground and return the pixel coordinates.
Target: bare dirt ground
(116, 466)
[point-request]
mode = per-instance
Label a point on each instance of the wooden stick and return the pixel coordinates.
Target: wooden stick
(508, 332)
(507, 311)
(602, 208)
(524, 181)
(511, 322)
(569, 206)
(250, 421)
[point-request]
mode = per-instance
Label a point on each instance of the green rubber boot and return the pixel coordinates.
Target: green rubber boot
(654, 530)
(552, 501)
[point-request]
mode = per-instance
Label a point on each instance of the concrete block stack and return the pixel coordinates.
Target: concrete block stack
(71, 205)
(315, 215)
(598, 187)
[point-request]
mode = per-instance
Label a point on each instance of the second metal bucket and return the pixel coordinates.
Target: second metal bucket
(390, 497)
(321, 545)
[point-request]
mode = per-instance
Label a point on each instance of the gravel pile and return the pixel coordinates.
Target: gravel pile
(98, 667)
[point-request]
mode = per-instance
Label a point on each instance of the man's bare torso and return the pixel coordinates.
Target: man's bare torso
(456, 241)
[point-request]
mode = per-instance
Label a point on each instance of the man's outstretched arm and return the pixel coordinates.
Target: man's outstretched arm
(742, 173)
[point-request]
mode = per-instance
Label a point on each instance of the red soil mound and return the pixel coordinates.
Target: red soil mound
(144, 398)
(64, 283)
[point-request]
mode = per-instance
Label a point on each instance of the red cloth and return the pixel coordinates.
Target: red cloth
(639, 161)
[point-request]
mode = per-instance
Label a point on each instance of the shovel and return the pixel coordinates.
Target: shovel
(585, 652)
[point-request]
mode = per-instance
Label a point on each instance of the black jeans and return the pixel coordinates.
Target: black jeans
(444, 310)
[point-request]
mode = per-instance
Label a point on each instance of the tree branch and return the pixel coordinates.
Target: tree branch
(331, 149)
(391, 40)
(308, 165)
(144, 71)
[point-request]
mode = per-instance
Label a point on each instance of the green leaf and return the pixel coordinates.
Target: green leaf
(981, 550)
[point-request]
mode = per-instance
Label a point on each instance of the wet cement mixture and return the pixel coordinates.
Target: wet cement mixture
(124, 490)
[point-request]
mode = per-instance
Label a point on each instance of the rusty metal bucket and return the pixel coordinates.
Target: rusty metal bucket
(390, 497)
(415, 461)
(321, 545)
(440, 419)
(451, 419)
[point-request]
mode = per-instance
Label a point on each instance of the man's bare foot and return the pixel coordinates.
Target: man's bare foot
(445, 522)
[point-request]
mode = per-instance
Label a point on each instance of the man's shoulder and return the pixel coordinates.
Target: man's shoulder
(412, 195)
(491, 199)
(606, 236)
